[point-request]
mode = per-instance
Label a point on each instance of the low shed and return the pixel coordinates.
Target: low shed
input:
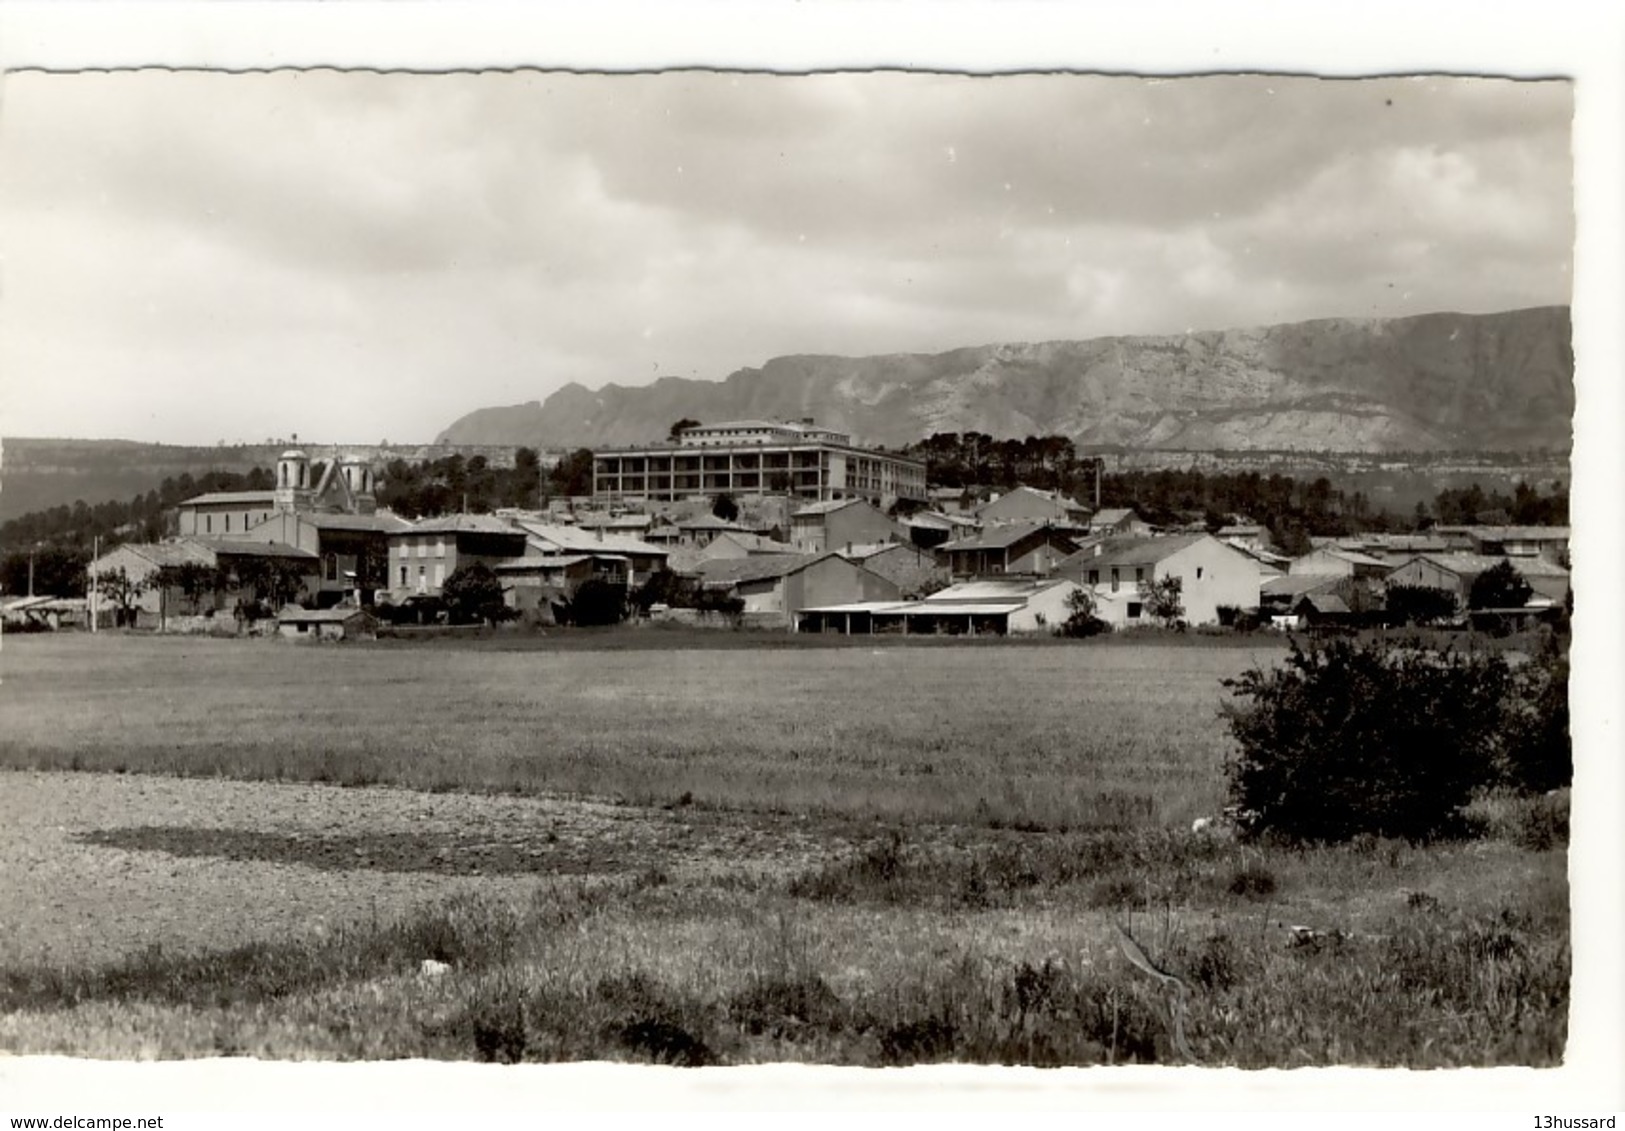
(340, 623)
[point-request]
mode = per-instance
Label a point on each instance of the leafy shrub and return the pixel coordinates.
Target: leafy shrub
(1419, 604)
(1538, 753)
(472, 594)
(1348, 739)
(1252, 882)
(597, 602)
(665, 1042)
(1081, 620)
(1499, 587)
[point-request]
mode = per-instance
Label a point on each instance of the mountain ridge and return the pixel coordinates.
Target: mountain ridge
(1431, 382)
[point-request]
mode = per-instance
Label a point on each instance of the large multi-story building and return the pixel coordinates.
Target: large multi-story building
(755, 457)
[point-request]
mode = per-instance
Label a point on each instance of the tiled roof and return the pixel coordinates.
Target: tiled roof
(222, 498)
(1001, 537)
(753, 543)
(1146, 550)
(1354, 557)
(825, 507)
(1325, 602)
(1001, 589)
(243, 548)
(464, 524)
(539, 561)
(555, 536)
(1519, 533)
(1111, 516)
(709, 522)
(1470, 564)
(757, 567)
(387, 523)
(1294, 584)
(334, 615)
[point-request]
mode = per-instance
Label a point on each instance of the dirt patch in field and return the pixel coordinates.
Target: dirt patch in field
(96, 865)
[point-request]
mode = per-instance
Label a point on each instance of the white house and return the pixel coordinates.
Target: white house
(1211, 574)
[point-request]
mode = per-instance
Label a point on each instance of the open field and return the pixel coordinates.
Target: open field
(1074, 736)
(858, 855)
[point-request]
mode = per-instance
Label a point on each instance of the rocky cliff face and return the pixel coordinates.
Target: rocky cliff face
(1439, 382)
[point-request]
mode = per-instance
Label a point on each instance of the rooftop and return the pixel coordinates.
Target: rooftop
(1018, 590)
(1519, 533)
(757, 567)
(338, 614)
(243, 548)
(555, 536)
(230, 498)
(1001, 537)
(465, 524)
(1144, 550)
(382, 521)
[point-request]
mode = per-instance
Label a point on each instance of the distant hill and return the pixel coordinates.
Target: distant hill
(1435, 382)
(37, 474)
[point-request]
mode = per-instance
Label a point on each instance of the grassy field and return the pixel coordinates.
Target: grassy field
(1058, 737)
(991, 816)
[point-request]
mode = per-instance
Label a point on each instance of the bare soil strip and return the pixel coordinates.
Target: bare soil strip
(95, 865)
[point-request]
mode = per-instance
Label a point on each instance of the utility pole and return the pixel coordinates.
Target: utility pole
(31, 571)
(95, 552)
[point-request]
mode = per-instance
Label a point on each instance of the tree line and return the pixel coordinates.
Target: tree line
(1292, 510)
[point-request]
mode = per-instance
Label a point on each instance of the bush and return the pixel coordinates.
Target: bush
(1538, 754)
(1349, 739)
(1499, 587)
(1081, 620)
(597, 602)
(1419, 604)
(472, 594)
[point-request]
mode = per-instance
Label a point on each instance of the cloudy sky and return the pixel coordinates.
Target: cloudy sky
(190, 257)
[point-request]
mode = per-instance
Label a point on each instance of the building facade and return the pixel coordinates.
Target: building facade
(423, 555)
(755, 457)
(1211, 574)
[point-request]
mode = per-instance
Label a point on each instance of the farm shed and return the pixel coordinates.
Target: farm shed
(338, 623)
(977, 608)
(775, 587)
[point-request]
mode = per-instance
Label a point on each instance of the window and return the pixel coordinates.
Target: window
(1094, 577)
(330, 566)
(439, 574)
(1114, 579)
(439, 548)
(208, 524)
(1134, 610)
(1198, 573)
(1139, 573)
(403, 577)
(423, 549)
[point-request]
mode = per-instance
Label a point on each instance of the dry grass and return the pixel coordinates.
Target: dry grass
(643, 970)
(1064, 778)
(1072, 737)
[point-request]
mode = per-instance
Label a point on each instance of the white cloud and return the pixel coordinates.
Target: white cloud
(389, 251)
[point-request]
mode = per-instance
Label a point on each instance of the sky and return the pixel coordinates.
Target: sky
(199, 256)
